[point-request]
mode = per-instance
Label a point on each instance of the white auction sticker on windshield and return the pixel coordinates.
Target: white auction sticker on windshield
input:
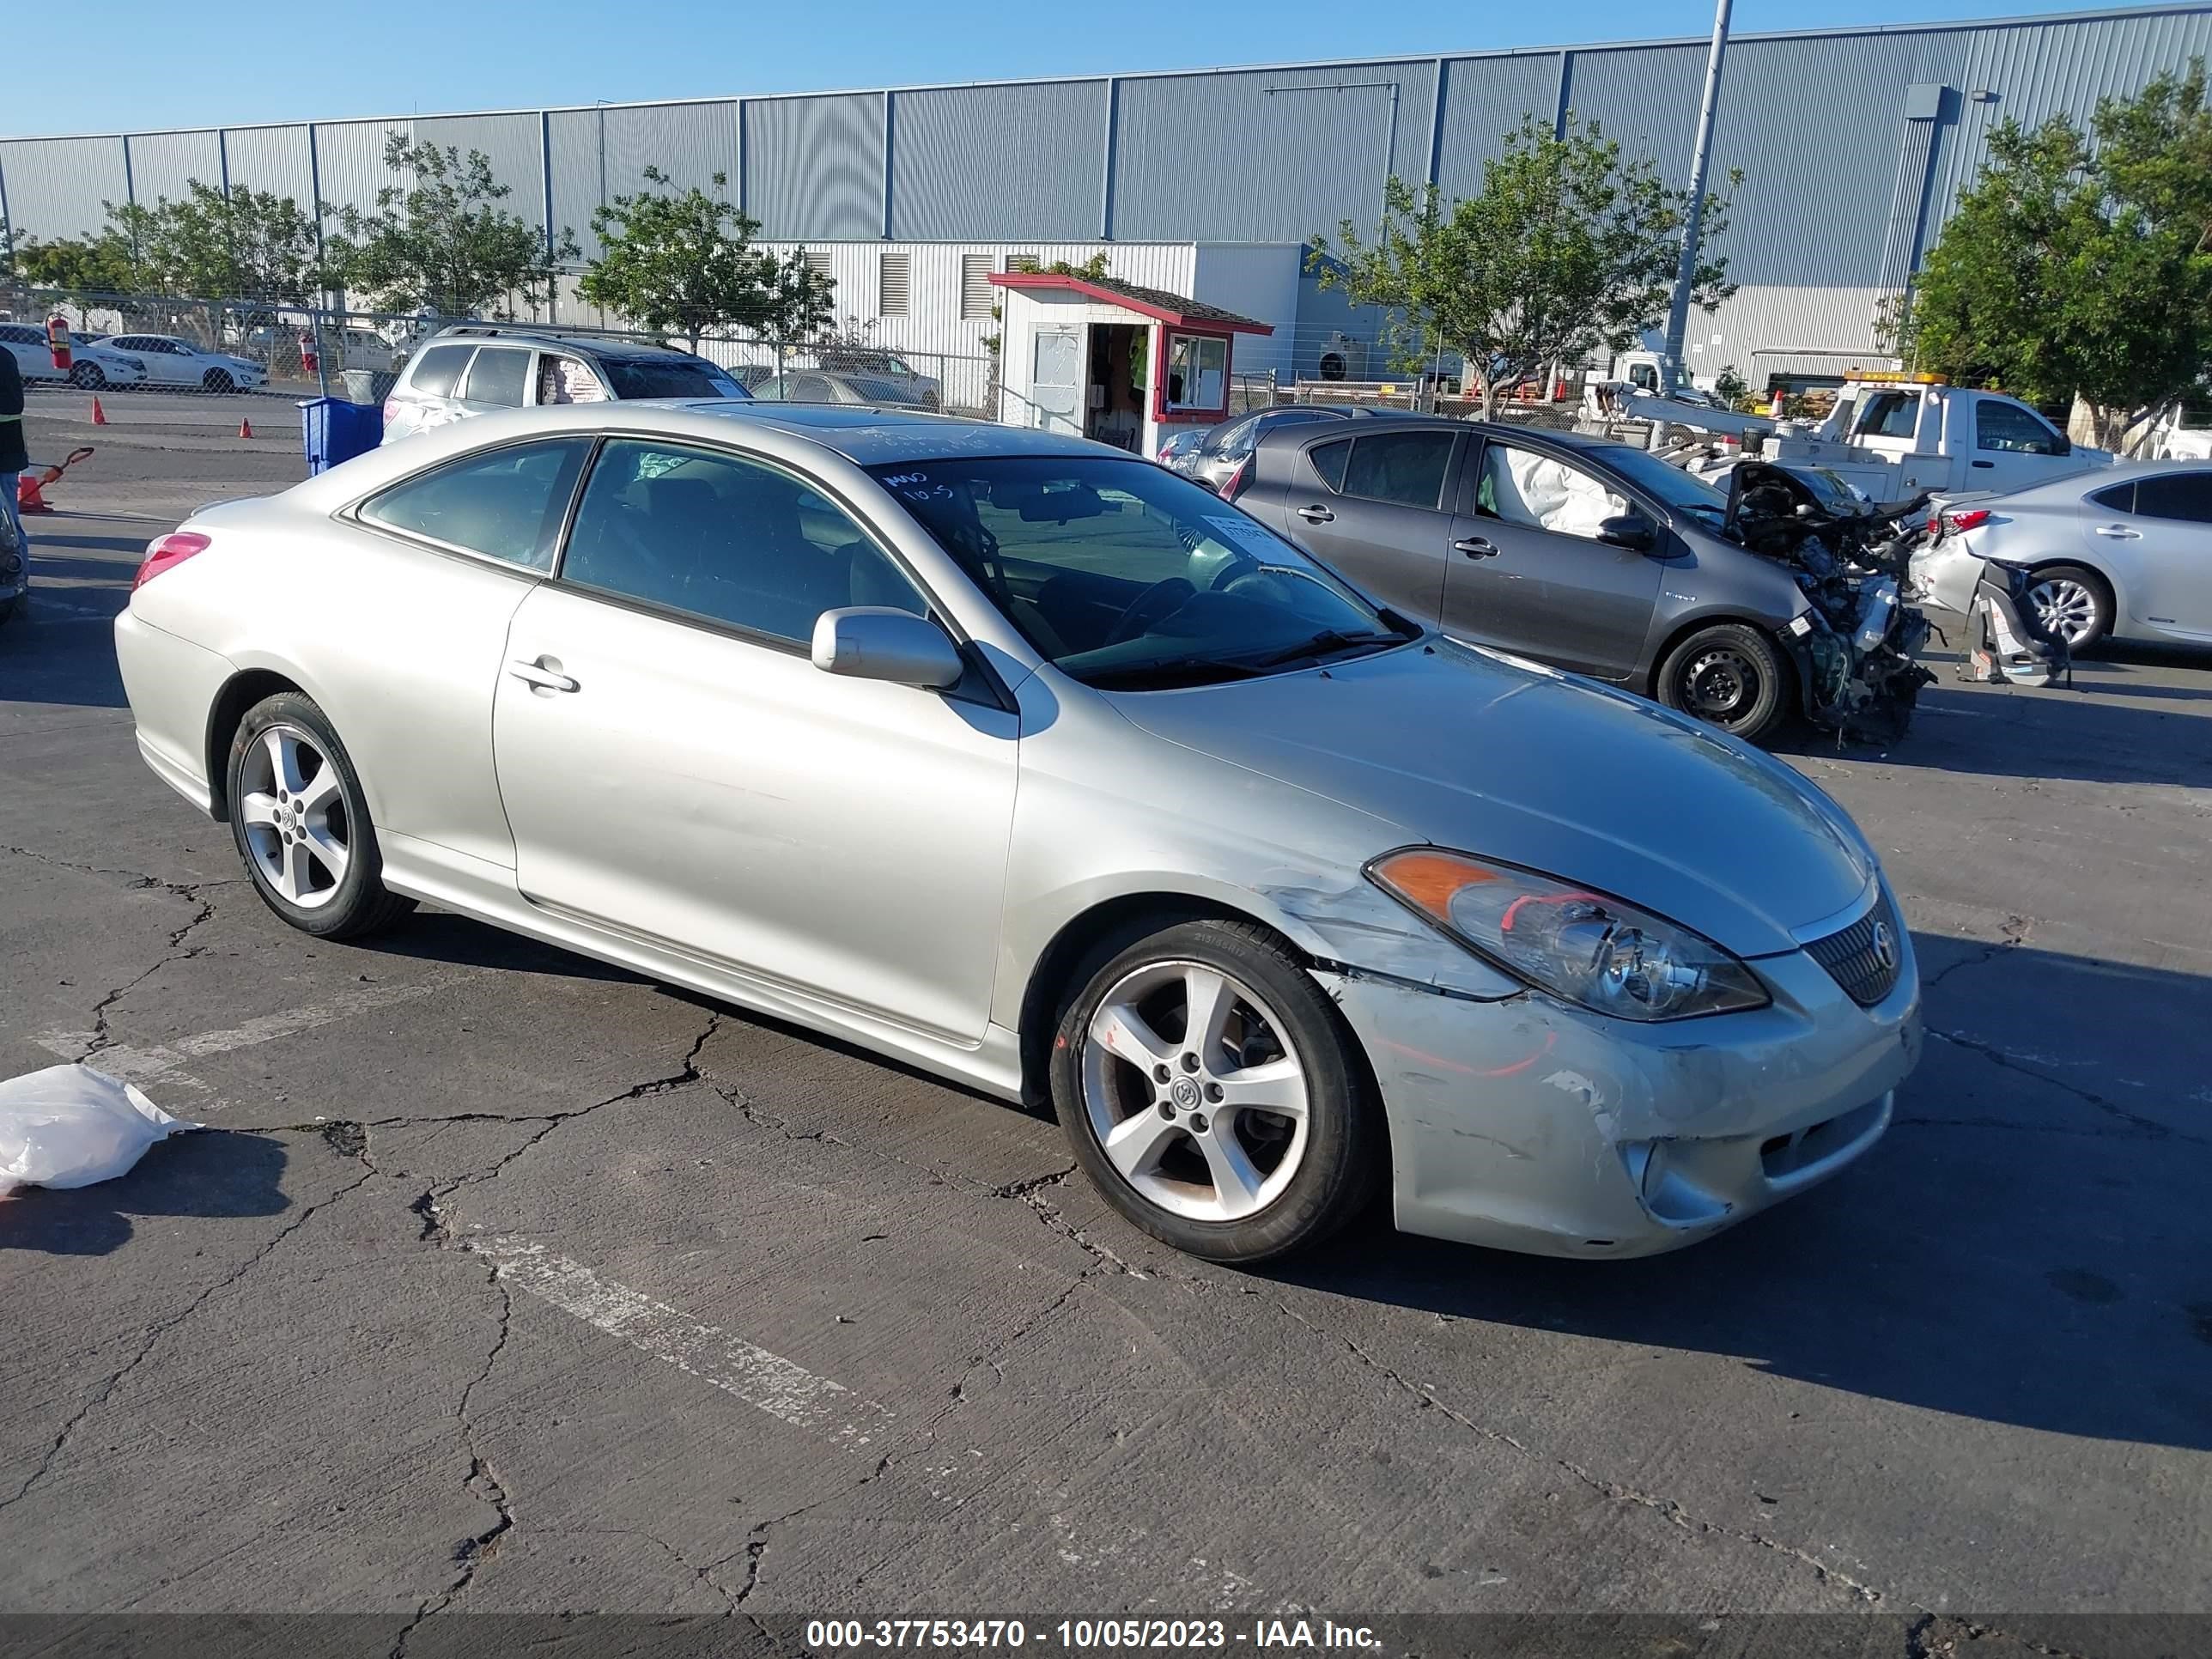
(1254, 538)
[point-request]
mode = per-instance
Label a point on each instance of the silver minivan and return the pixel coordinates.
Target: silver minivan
(479, 369)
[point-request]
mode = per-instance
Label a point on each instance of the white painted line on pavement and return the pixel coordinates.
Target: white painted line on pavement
(782, 1387)
(164, 1065)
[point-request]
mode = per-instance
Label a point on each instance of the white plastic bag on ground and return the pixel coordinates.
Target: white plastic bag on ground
(69, 1126)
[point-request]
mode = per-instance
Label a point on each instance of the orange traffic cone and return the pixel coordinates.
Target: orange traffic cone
(245, 428)
(27, 498)
(99, 414)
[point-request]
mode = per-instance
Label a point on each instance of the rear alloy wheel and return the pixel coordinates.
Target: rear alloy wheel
(218, 380)
(88, 377)
(2072, 604)
(1730, 676)
(302, 824)
(1214, 1095)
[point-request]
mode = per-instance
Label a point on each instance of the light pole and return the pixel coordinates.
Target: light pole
(1678, 314)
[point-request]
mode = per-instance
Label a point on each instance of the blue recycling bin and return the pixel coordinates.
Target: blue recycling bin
(336, 431)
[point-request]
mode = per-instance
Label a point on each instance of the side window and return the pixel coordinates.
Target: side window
(1405, 468)
(507, 503)
(1890, 414)
(1329, 460)
(498, 375)
(2117, 498)
(730, 540)
(18, 335)
(1524, 487)
(1643, 377)
(810, 389)
(564, 379)
(2008, 427)
(2186, 495)
(438, 369)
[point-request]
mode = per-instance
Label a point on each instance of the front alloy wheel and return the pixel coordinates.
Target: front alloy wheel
(1214, 1094)
(1193, 1092)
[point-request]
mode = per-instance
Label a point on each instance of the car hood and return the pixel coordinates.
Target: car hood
(1469, 750)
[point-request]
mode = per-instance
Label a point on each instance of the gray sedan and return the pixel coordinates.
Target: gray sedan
(1034, 765)
(2124, 552)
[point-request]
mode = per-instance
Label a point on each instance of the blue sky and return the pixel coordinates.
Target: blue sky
(224, 62)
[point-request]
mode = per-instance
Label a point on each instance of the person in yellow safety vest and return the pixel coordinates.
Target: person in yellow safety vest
(14, 457)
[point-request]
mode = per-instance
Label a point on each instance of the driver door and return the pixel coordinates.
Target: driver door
(676, 769)
(1528, 574)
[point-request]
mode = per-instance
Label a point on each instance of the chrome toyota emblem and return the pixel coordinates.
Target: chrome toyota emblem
(1885, 946)
(1185, 1094)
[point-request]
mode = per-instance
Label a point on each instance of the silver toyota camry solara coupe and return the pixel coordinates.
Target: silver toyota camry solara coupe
(1039, 767)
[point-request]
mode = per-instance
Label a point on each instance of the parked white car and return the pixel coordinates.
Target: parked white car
(92, 367)
(172, 362)
(2124, 553)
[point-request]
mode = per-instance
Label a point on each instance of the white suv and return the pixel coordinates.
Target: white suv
(478, 368)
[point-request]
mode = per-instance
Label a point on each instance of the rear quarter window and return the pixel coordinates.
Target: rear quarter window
(1329, 460)
(438, 370)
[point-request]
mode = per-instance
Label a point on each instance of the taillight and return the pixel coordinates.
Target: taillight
(1968, 520)
(1237, 482)
(391, 409)
(166, 554)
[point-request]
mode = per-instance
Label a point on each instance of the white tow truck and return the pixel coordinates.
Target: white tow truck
(1891, 436)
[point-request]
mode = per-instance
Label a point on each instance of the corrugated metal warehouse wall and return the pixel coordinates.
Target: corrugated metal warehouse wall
(1855, 143)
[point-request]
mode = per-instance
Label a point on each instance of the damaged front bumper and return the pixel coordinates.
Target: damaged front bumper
(1530, 1125)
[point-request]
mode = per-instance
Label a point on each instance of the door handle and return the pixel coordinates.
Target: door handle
(2119, 532)
(1317, 515)
(1981, 462)
(1475, 547)
(542, 675)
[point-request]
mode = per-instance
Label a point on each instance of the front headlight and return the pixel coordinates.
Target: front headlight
(1585, 947)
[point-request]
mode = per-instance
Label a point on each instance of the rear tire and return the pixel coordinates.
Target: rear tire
(218, 380)
(1732, 676)
(2073, 603)
(300, 820)
(1254, 1138)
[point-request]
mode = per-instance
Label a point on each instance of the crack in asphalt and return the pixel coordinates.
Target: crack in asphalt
(2015, 931)
(157, 1332)
(2146, 1128)
(482, 1481)
(1613, 1490)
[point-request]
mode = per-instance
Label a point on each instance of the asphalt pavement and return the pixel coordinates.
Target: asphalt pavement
(502, 1281)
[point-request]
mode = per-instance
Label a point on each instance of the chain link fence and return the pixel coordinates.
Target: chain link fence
(122, 343)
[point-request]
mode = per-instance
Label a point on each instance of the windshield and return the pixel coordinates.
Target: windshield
(651, 377)
(1669, 485)
(1128, 576)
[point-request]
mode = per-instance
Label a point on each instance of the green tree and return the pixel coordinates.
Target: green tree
(99, 263)
(1569, 246)
(685, 263)
(445, 245)
(2079, 264)
(243, 244)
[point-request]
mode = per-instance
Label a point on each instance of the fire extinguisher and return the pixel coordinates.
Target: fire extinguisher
(308, 350)
(57, 341)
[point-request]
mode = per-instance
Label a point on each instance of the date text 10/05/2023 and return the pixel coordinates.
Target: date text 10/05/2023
(1089, 1635)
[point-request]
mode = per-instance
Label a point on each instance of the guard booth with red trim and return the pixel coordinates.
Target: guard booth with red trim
(1096, 357)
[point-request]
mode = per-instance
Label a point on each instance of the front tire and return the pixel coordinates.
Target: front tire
(2073, 603)
(218, 380)
(1214, 1095)
(1731, 676)
(88, 377)
(301, 821)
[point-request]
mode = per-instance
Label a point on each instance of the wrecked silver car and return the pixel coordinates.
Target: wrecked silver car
(1742, 607)
(1032, 765)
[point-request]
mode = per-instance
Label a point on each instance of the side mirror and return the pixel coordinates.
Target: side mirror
(2061, 444)
(875, 642)
(1630, 530)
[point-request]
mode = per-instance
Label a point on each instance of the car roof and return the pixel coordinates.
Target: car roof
(599, 345)
(871, 436)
